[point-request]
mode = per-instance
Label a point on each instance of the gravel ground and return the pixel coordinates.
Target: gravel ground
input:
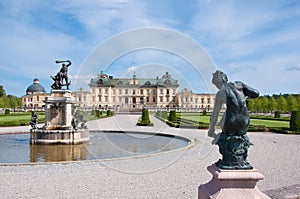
(173, 174)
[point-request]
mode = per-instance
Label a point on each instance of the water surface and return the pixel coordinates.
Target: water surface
(15, 148)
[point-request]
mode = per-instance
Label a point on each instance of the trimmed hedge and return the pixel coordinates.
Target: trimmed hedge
(172, 116)
(109, 113)
(262, 117)
(295, 121)
(144, 119)
(277, 114)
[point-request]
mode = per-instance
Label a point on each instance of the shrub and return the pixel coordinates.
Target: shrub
(145, 116)
(7, 111)
(277, 114)
(295, 121)
(144, 120)
(172, 116)
(279, 130)
(97, 113)
(204, 113)
(109, 113)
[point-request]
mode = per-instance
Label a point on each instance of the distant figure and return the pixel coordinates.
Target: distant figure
(34, 120)
(233, 142)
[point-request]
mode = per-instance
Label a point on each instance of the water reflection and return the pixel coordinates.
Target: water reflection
(15, 148)
(57, 153)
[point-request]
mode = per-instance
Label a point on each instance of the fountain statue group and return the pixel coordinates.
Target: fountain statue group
(63, 123)
(61, 76)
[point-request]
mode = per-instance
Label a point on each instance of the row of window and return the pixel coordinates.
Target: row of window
(133, 99)
(31, 99)
(148, 99)
(134, 91)
(194, 100)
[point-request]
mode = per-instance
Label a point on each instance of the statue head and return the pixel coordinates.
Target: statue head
(219, 78)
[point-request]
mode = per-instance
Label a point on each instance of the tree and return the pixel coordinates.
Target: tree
(2, 91)
(272, 104)
(258, 105)
(282, 104)
(251, 105)
(298, 102)
(264, 101)
(292, 103)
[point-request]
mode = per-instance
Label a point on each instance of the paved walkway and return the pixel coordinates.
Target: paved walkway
(174, 174)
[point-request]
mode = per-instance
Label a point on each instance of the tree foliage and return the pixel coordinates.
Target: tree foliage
(281, 103)
(9, 101)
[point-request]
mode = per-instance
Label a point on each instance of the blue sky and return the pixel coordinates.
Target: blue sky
(254, 41)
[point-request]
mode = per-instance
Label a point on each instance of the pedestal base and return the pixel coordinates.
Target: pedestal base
(40, 136)
(233, 184)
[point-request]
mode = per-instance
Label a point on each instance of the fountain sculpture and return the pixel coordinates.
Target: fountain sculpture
(63, 124)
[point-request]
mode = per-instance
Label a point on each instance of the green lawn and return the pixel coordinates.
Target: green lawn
(18, 119)
(264, 121)
(270, 123)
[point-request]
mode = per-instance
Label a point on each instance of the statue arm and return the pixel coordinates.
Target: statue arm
(220, 99)
(250, 92)
(69, 63)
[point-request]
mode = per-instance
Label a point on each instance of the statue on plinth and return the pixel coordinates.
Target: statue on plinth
(34, 120)
(61, 76)
(232, 141)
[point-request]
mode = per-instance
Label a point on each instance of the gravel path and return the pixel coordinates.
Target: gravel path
(175, 174)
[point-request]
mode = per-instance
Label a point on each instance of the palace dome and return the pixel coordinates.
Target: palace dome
(35, 87)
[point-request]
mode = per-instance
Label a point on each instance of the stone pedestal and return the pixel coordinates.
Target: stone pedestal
(58, 128)
(233, 184)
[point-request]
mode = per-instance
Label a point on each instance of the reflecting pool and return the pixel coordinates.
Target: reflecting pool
(15, 148)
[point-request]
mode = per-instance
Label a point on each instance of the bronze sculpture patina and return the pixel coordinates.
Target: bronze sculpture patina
(61, 76)
(34, 120)
(232, 141)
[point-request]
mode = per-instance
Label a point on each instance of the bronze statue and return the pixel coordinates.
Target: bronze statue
(61, 75)
(34, 120)
(233, 142)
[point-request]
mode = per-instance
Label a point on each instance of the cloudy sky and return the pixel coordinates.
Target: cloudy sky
(255, 41)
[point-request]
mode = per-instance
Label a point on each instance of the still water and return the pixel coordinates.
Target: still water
(15, 148)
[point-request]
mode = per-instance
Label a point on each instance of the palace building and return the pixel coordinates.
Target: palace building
(107, 92)
(128, 94)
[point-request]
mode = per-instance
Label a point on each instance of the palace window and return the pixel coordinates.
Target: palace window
(174, 99)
